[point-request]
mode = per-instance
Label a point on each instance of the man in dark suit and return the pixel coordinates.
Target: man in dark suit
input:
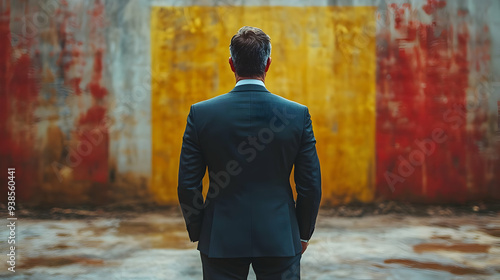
(249, 139)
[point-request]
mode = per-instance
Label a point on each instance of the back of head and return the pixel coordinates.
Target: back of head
(250, 48)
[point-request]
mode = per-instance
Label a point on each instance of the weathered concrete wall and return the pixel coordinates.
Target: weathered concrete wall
(95, 94)
(76, 113)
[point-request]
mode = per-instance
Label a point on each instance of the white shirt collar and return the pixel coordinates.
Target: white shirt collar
(250, 82)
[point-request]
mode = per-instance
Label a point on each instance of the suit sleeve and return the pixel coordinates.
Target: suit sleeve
(191, 171)
(307, 177)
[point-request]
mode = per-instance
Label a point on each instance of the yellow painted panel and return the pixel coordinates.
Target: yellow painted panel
(323, 57)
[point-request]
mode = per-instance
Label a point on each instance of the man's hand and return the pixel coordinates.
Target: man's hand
(304, 246)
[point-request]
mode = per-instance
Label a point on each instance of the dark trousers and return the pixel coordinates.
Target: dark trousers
(265, 268)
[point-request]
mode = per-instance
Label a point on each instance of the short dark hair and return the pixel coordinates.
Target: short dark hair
(250, 48)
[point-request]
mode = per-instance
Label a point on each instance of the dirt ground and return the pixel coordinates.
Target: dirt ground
(348, 243)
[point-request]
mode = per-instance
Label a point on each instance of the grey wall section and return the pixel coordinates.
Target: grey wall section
(129, 66)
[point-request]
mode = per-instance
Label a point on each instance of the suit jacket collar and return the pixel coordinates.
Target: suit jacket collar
(249, 87)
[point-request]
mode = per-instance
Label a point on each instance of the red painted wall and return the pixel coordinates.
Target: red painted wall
(18, 100)
(431, 142)
(47, 68)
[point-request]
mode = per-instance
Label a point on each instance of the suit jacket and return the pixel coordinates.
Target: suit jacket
(250, 139)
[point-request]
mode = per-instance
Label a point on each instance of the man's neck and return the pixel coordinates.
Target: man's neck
(260, 78)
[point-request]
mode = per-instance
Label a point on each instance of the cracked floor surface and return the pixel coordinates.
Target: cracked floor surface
(155, 246)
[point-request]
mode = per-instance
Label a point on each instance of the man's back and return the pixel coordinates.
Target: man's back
(250, 139)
